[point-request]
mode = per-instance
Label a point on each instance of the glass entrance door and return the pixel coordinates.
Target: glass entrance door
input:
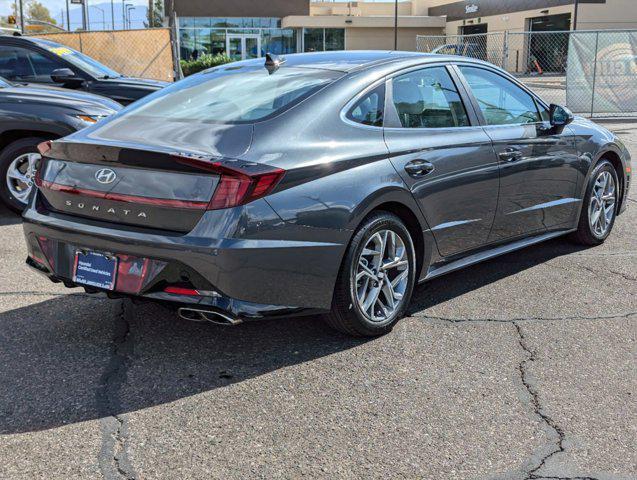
(240, 47)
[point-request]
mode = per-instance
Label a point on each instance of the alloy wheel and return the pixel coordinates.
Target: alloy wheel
(602, 205)
(21, 175)
(382, 274)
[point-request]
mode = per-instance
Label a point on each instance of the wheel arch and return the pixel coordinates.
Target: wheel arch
(402, 204)
(9, 136)
(613, 155)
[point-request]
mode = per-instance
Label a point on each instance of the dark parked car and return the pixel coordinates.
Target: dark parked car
(35, 60)
(30, 115)
(321, 183)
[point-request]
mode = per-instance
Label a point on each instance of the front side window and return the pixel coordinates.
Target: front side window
(502, 102)
(428, 98)
(79, 60)
(231, 94)
(369, 109)
(42, 65)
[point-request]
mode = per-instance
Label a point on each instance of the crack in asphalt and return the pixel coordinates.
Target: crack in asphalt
(525, 319)
(536, 405)
(113, 457)
(539, 411)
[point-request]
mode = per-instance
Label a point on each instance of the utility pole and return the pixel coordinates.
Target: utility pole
(21, 17)
(88, 19)
(395, 24)
(68, 17)
(113, 13)
(123, 14)
(575, 15)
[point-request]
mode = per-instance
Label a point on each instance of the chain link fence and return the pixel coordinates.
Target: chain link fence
(146, 53)
(592, 72)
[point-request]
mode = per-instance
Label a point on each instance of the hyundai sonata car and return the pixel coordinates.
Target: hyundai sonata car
(325, 183)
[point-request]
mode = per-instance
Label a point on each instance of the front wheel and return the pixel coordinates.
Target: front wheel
(600, 206)
(376, 279)
(18, 163)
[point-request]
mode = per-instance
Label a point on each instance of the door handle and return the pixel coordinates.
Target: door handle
(510, 154)
(419, 168)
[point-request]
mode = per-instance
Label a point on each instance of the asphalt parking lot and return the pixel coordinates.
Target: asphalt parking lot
(519, 368)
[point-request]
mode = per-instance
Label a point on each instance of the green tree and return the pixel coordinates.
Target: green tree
(155, 13)
(34, 10)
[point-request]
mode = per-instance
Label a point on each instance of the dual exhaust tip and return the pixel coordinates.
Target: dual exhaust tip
(210, 316)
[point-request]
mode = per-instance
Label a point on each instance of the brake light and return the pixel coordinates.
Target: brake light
(237, 185)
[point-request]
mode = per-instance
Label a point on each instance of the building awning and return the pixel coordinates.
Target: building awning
(343, 21)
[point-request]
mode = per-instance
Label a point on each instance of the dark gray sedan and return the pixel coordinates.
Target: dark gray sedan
(325, 183)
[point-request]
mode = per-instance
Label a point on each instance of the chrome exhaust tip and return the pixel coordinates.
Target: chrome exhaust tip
(198, 315)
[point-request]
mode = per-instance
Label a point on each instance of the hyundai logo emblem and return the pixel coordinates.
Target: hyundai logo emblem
(105, 176)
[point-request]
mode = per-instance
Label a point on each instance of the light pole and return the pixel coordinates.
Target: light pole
(113, 13)
(129, 8)
(575, 15)
(395, 24)
(68, 17)
(103, 17)
(21, 17)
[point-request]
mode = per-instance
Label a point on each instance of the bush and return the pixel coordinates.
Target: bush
(190, 67)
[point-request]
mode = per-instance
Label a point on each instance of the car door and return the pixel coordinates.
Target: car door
(538, 163)
(443, 155)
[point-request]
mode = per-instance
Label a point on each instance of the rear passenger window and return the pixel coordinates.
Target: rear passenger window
(369, 109)
(428, 98)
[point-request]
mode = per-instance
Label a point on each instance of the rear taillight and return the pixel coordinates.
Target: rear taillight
(237, 185)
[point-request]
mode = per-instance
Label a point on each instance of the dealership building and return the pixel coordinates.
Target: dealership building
(249, 28)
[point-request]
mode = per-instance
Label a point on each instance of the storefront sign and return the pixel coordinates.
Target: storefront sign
(473, 8)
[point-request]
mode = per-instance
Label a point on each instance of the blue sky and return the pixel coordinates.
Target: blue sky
(57, 7)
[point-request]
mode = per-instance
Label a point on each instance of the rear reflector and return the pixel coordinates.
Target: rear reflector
(44, 147)
(237, 185)
(181, 291)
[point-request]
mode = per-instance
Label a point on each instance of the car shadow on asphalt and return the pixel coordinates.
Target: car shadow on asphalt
(7, 217)
(77, 357)
(463, 281)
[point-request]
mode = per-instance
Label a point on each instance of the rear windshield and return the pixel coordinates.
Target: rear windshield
(234, 94)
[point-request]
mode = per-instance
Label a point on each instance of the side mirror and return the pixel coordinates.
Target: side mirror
(65, 75)
(560, 116)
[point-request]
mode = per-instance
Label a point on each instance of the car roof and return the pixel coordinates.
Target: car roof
(24, 39)
(355, 60)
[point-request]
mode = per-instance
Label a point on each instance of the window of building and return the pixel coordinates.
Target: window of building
(501, 101)
(323, 39)
(210, 35)
(369, 109)
(428, 98)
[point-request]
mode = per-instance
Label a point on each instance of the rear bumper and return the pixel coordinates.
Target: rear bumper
(273, 269)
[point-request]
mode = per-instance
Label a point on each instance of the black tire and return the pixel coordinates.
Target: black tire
(346, 315)
(585, 235)
(7, 156)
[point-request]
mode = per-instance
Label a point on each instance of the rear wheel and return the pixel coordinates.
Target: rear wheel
(18, 163)
(600, 206)
(376, 279)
